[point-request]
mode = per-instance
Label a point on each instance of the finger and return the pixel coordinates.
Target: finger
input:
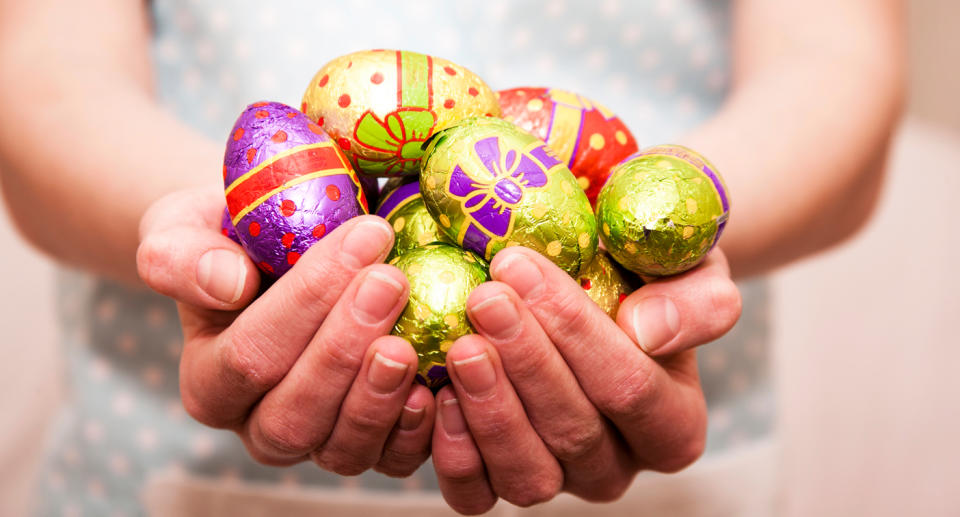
(661, 418)
(222, 374)
(457, 461)
(409, 444)
(672, 314)
(199, 267)
(371, 408)
(520, 467)
(592, 455)
(299, 413)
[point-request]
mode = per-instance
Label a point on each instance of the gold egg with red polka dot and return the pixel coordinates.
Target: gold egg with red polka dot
(381, 106)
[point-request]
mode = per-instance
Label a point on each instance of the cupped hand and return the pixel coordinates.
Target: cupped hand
(305, 370)
(552, 395)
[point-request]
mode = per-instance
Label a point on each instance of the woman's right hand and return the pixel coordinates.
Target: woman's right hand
(306, 370)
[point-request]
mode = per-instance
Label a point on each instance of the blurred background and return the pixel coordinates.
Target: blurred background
(867, 351)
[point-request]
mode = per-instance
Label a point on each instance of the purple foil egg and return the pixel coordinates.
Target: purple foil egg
(287, 185)
(227, 228)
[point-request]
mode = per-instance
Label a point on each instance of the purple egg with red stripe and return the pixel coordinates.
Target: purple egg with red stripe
(287, 185)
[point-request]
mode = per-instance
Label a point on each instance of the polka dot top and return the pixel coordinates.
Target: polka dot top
(662, 66)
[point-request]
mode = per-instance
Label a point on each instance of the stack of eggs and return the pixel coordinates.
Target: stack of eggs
(472, 171)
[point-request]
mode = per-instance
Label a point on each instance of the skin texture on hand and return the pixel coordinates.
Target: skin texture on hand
(306, 370)
(552, 395)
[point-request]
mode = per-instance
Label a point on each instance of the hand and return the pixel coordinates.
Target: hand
(306, 370)
(552, 395)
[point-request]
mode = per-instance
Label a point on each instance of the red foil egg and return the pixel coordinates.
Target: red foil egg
(584, 134)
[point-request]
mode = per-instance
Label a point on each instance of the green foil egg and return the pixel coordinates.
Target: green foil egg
(441, 277)
(662, 210)
(491, 185)
(402, 206)
(604, 284)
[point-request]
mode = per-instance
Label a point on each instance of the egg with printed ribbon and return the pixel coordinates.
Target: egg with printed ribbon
(287, 185)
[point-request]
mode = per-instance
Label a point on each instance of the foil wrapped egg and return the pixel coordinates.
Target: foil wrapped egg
(287, 185)
(605, 284)
(413, 226)
(441, 277)
(381, 106)
(227, 228)
(490, 185)
(662, 210)
(584, 134)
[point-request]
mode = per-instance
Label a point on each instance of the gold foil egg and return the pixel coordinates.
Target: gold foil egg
(662, 210)
(491, 185)
(413, 227)
(604, 284)
(381, 106)
(441, 277)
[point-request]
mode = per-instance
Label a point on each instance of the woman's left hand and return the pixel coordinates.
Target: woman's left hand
(552, 395)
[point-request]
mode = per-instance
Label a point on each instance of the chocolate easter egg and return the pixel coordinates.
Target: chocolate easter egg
(227, 228)
(604, 283)
(662, 210)
(585, 135)
(287, 185)
(413, 226)
(382, 105)
(441, 277)
(490, 185)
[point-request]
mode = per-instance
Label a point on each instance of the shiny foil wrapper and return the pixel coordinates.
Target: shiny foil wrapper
(585, 135)
(662, 210)
(490, 185)
(286, 185)
(605, 284)
(441, 277)
(227, 228)
(381, 106)
(413, 226)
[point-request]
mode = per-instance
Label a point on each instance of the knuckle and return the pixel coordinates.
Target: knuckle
(287, 437)
(461, 472)
(366, 421)
(533, 492)
(245, 364)
(605, 490)
(683, 452)
(341, 358)
(197, 409)
(339, 461)
(578, 443)
(400, 464)
(568, 310)
(314, 287)
(630, 398)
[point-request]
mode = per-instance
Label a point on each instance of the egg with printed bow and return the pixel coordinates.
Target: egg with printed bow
(490, 185)
(381, 106)
(287, 185)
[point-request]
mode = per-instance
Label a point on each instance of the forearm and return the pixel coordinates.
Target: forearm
(803, 137)
(85, 148)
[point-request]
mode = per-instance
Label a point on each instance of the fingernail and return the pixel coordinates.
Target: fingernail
(366, 242)
(476, 373)
(451, 418)
(410, 418)
(222, 274)
(376, 297)
(385, 374)
(496, 317)
(520, 273)
(655, 322)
